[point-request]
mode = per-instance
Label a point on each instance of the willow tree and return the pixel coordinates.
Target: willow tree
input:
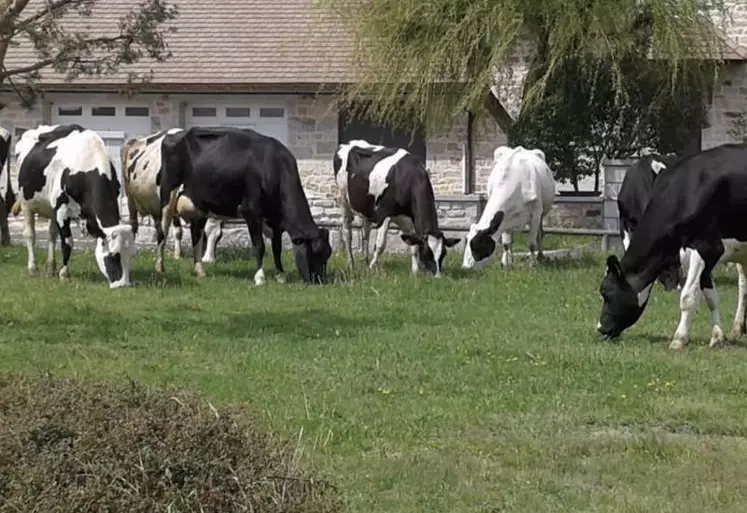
(423, 62)
(43, 29)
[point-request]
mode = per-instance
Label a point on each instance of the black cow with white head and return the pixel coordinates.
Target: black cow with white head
(701, 207)
(382, 184)
(65, 175)
(226, 173)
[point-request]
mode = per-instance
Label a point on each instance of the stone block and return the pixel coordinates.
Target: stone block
(326, 148)
(610, 210)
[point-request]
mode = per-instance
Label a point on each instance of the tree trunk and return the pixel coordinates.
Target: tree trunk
(596, 179)
(574, 181)
(499, 113)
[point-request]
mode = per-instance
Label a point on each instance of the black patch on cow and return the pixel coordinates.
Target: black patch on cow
(31, 171)
(113, 266)
(482, 244)
(620, 309)
(154, 137)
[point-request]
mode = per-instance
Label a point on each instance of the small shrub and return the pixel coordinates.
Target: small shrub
(69, 446)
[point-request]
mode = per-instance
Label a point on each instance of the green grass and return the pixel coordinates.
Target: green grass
(484, 392)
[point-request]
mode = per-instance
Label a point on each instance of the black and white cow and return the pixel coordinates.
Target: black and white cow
(521, 191)
(229, 172)
(65, 174)
(6, 202)
(384, 185)
(700, 206)
(141, 166)
(632, 199)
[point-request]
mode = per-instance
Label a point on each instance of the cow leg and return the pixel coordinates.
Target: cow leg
(381, 236)
(738, 328)
(160, 242)
(51, 266)
(508, 250)
(703, 259)
(29, 235)
(163, 224)
(178, 236)
(366, 236)
(66, 241)
(277, 248)
(132, 212)
(197, 232)
(213, 231)
(533, 238)
(347, 233)
(254, 225)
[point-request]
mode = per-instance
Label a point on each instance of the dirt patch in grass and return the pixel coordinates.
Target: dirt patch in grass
(79, 446)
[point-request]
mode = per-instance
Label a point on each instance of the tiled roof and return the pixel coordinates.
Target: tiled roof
(224, 42)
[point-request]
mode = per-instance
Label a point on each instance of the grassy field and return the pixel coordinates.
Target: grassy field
(484, 392)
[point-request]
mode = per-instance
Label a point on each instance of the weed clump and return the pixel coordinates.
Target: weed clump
(72, 446)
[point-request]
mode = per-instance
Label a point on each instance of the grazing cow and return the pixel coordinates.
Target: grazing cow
(701, 207)
(632, 199)
(141, 166)
(521, 190)
(10, 198)
(65, 174)
(229, 172)
(384, 185)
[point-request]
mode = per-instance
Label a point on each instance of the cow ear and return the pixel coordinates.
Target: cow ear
(451, 242)
(614, 267)
(412, 239)
(495, 223)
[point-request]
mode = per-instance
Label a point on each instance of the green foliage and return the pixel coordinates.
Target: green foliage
(77, 446)
(581, 120)
(445, 54)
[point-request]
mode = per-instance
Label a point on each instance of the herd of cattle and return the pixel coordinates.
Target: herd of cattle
(679, 216)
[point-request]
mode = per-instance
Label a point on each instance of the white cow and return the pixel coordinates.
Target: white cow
(521, 191)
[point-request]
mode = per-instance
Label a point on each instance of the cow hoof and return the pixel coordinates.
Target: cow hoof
(717, 338)
(736, 333)
(32, 270)
(64, 274)
(159, 267)
(208, 260)
(280, 278)
(259, 278)
(51, 270)
(199, 271)
(677, 344)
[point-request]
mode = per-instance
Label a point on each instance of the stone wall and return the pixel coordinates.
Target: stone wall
(727, 114)
(576, 212)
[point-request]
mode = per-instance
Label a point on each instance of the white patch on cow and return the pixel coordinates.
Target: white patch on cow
(657, 166)
(626, 239)
(377, 179)
(119, 240)
(4, 134)
(436, 245)
(140, 182)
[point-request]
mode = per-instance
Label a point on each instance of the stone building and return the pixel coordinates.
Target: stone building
(273, 65)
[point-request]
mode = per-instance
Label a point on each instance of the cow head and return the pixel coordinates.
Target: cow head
(431, 249)
(312, 255)
(480, 245)
(113, 253)
(621, 306)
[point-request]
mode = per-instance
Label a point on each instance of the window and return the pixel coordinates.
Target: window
(238, 112)
(70, 111)
(271, 112)
(204, 112)
(140, 112)
(103, 111)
